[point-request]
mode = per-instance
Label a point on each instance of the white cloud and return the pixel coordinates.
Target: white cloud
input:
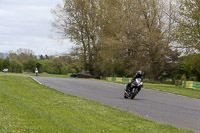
(26, 24)
(40, 45)
(5, 12)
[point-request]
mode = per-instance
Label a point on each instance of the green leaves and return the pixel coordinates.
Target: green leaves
(188, 31)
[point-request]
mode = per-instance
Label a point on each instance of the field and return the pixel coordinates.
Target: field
(26, 106)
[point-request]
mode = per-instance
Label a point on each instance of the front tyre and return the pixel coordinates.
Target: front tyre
(133, 96)
(134, 93)
(125, 95)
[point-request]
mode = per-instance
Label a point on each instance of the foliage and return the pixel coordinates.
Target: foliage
(69, 68)
(7, 63)
(48, 66)
(132, 33)
(118, 69)
(190, 67)
(16, 66)
(24, 60)
(1, 64)
(22, 55)
(188, 28)
(30, 65)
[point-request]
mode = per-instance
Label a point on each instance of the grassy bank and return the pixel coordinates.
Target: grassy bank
(178, 90)
(26, 106)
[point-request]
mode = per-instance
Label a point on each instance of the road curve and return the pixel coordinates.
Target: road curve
(181, 112)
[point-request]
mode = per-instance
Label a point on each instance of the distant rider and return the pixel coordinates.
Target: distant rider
(36, 72)
(137, 75)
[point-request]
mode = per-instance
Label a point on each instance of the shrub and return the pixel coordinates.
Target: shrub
(16, 66)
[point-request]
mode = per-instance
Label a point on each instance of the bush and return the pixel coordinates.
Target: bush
(69, 68)
(118, 69)
(190, 67)
(16, 66)
(30, 65)
(49, 66)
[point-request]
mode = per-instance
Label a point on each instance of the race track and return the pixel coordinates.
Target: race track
(178, 111)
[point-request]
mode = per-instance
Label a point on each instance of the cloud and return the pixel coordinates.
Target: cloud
(40, 45)
(5, 12)
(26, 24)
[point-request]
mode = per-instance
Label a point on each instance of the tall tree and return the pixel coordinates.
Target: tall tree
(131, 33)
(188, 29)
(24, 54)
(77, 20)
(7, 63)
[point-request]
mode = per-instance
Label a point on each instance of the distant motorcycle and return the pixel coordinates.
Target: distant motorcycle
(36, 72)
(132, 90)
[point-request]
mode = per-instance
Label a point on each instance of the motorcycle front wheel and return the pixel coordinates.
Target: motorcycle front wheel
(125, 94)
(134, 93)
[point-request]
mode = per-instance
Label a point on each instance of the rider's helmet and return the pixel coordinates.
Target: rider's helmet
(139, 72)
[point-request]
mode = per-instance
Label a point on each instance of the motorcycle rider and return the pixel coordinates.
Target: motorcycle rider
(36, 72)
(137, 75)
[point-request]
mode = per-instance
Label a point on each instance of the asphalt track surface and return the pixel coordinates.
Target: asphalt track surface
(179, 111)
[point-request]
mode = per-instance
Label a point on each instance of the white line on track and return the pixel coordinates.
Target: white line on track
(36, 80)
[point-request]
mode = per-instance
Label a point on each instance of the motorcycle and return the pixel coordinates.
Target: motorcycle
(132, 90)
(36, 73)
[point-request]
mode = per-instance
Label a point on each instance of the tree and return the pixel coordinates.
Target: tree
(1, 64)
(189, 67)
(41, 57)
(30, 65)
(49, 66)
(188, 29)
(130, 32)
(7, 63)
(16, 66)
(25, 54)
(78, 20)
(118, 69)
(46, 57)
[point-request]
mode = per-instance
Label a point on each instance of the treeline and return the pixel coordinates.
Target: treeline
(24, 60)
(119, 37)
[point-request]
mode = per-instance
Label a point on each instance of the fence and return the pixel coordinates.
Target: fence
(191, 84)
(118, 79)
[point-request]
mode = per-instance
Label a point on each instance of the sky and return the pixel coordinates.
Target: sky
(27, 24)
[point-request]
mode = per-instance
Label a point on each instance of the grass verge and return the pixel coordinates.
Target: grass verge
(178, 90)
(40, 74)
(26, 106)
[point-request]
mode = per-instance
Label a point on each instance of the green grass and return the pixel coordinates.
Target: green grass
(26, 106)
(178, 90)
(40, 74)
